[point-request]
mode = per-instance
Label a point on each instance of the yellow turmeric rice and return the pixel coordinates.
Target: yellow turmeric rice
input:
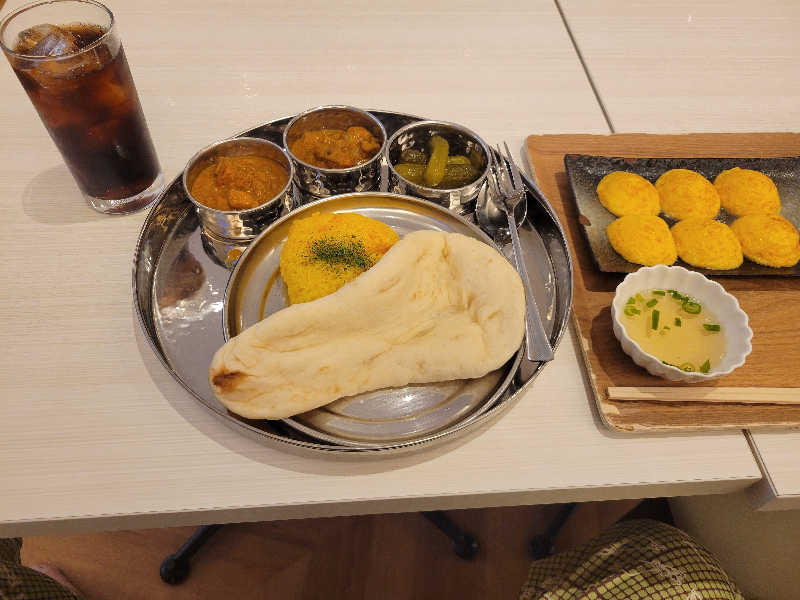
(325, 251)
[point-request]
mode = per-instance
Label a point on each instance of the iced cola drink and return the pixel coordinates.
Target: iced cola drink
(69, 59)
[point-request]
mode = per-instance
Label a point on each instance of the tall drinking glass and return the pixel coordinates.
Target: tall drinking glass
(69, 58)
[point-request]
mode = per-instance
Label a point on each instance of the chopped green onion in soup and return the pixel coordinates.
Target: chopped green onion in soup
(683, 333)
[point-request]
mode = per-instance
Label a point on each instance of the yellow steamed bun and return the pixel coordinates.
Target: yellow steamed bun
(625, 193)
(642, 239)
(686, 194)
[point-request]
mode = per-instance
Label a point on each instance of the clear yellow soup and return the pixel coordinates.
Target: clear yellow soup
(676, 329)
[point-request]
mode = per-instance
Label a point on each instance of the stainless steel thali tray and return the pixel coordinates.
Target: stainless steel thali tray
(179, 283)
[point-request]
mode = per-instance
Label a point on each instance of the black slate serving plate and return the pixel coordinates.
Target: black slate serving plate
(585, 172)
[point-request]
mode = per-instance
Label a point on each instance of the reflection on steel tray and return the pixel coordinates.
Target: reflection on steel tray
(179, 282)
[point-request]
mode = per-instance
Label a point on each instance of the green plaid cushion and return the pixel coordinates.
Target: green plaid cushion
(21, 583)
(633, 560)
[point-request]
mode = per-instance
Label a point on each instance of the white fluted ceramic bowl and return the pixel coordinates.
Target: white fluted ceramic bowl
(733, 319)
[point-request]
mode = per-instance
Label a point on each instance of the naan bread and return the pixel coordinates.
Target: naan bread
(438, 306)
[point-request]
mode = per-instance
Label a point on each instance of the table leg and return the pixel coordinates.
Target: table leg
(464, 545)
(175, 568)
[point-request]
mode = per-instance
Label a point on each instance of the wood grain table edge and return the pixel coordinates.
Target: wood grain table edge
(242, 514)
(764, 495)
(545, 155)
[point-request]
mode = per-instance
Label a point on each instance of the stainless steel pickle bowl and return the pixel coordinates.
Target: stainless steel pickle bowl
(461, 141)
(179, 286)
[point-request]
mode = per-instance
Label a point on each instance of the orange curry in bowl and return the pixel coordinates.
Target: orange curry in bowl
(336, 148)
(239, 182)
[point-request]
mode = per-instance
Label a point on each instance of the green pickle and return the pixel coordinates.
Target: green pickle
(458, 175)
(434, 171)
(441, 170)
(412, 172)
(413, 156)
(476, 159)
(454, 175)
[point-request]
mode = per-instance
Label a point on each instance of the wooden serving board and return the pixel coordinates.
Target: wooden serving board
(772, 303)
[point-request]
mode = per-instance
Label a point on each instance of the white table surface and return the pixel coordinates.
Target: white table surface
(725, 65)
(96, 435)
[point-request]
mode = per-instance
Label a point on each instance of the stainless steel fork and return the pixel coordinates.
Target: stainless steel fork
(507, 177)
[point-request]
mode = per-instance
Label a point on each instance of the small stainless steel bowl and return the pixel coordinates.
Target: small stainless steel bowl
(461, 140)
(321, 182)
(238, 224)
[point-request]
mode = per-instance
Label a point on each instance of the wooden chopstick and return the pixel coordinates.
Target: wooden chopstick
(730, 395)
